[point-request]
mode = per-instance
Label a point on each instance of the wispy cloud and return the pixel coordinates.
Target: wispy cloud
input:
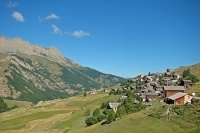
(56, 30)
(12, 4)
(80, 33)
(18, 16)
(50, 16)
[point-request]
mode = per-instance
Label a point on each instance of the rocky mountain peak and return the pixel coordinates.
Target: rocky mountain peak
(11, 46)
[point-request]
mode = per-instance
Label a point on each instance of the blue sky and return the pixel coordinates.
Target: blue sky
(120, 37)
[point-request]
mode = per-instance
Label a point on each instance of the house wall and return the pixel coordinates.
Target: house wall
(179, 101)
(187, 98)
(186, 84)
(169, 93)
(115, 110)
(182, 100)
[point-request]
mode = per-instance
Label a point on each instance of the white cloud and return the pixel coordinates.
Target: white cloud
(12, 4)
(80, 33)
(50, 16)
(18, 16)
(56, 30)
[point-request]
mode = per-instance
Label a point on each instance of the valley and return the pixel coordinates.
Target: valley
(52, 94)
(68, 115)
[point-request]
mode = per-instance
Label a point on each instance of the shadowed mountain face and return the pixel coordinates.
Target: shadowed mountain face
(34, 73)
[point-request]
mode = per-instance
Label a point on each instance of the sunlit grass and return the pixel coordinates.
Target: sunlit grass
(20, 122)
(18, 103)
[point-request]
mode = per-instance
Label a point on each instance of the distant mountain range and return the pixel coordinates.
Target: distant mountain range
(34, 73)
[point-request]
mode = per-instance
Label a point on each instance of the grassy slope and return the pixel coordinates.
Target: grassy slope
(20, 122)
(194, 69)
(56, 115)
(67, 115)
(137, 122)
(18, 103)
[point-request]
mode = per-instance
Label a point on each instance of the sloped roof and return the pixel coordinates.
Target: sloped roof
(174, 88)
(114, 105)
(152, 94)
(177, 95)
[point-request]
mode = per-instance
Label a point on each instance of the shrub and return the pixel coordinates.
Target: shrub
(101, 117)
(104, 105)
(106, 111)
(111, 117)
(91, 121)
(96, 112)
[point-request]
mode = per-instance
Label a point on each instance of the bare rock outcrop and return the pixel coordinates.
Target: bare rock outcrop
(11, 46)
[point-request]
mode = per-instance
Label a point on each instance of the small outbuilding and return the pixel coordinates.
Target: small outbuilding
(179, 98)
(171, 90)
(152, 96)
(114, 106)
(187, 83)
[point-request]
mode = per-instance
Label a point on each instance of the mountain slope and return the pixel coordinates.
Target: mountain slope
(33, 74)
(194, 69)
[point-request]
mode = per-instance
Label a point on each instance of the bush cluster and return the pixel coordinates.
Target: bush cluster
(95, 118)
(4, 107)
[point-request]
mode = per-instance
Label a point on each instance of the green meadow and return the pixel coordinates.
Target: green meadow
(67, 115)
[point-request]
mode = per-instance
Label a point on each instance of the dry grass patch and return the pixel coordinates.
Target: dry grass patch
(18, 103)
(20, 122)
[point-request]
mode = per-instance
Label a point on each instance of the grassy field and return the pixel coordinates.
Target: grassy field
(67, 115)
(137, 122)
(20, 122)
(195, 89)
(18, 103)
(194, 69)
(51, 116)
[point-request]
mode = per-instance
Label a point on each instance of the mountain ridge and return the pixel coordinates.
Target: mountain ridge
(34, 73)
(12, 46)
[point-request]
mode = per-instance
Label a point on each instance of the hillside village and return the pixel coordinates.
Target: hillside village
(169, 85)
(168, 88)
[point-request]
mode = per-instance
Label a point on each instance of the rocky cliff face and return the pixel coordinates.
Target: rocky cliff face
(35, 73)
(12, 46)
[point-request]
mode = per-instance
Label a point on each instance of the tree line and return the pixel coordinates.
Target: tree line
(4, 107)
(188, 76)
